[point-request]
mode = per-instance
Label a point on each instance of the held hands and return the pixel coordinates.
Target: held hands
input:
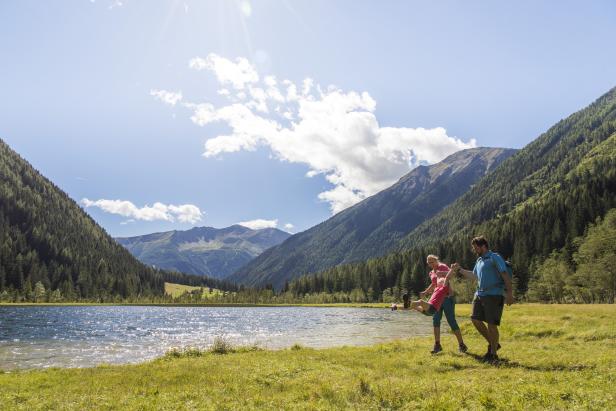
(456, 269)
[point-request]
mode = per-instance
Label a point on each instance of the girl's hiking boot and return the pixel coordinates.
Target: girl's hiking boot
(437, 348)
(462, 348)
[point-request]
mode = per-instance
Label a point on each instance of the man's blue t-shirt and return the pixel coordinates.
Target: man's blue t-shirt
(487, 270)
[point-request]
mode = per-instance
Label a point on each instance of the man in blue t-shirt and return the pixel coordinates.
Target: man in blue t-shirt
(493, 290)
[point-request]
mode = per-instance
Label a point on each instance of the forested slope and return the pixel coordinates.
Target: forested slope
(48, 244)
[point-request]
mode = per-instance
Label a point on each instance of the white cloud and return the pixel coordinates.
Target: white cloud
(237, 74)
(289, 227)
(185, 213)
(115, 3)
(259, 224)
(333, 132)
(167, 97)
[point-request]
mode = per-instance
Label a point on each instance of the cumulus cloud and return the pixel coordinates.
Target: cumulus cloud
(289, 227)
(335, 133)
(167, 97)
(185, 213)
(237, 74)
(259, 224)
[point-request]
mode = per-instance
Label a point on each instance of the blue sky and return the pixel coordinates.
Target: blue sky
(159, 115)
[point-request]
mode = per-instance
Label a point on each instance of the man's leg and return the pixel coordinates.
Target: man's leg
(493, 312)
(478, 317)
(493, 336)
(481, 327)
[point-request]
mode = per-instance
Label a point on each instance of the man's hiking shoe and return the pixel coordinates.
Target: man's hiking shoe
(462, 348)
(490, 358)
(437, 348)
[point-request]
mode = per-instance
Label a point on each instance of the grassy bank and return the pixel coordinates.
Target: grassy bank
(176, 290)
(555, 357)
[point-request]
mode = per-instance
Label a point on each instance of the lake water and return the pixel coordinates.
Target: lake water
(40, 337)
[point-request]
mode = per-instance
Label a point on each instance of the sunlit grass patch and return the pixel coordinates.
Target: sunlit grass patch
(176, 290)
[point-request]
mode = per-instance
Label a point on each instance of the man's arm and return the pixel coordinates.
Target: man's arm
(501, 267)
(466, 273)
(508, 288)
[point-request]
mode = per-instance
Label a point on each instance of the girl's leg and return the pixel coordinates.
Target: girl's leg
(449, 307)
(420, 306)
(437, 335)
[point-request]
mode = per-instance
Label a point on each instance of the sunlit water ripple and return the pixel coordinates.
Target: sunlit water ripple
(40, 337)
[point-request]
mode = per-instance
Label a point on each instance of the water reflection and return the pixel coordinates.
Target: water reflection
(39, 337)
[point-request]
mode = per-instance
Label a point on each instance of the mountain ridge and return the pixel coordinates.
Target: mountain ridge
(214, 252)
(375, 225)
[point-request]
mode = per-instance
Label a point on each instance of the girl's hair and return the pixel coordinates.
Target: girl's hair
(432, 257)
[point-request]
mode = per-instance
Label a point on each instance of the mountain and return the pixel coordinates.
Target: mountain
(374, 226)
(46, 238)
(51, 250)
(540, 201)
(203, 250)
(544, 196)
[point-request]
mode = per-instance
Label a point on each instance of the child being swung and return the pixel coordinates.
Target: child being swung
(441, 292)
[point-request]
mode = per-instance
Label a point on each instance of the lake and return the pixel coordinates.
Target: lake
(74, 336)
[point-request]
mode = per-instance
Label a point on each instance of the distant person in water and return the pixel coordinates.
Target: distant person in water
(494, 288)
(406, 302)
(448, 306)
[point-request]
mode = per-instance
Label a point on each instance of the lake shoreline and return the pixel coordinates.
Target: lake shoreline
(78, 304)
(41, 336)
(560, 357)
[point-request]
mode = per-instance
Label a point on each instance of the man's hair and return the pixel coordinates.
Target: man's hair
(480, 241)
(432, 257)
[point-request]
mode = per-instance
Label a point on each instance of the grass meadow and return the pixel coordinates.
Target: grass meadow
(553, 357)
(176, 290)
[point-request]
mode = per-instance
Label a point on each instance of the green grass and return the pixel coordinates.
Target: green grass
(555, 357)
(176, 290)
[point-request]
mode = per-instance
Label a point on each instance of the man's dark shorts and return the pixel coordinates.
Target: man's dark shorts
(488, 308)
